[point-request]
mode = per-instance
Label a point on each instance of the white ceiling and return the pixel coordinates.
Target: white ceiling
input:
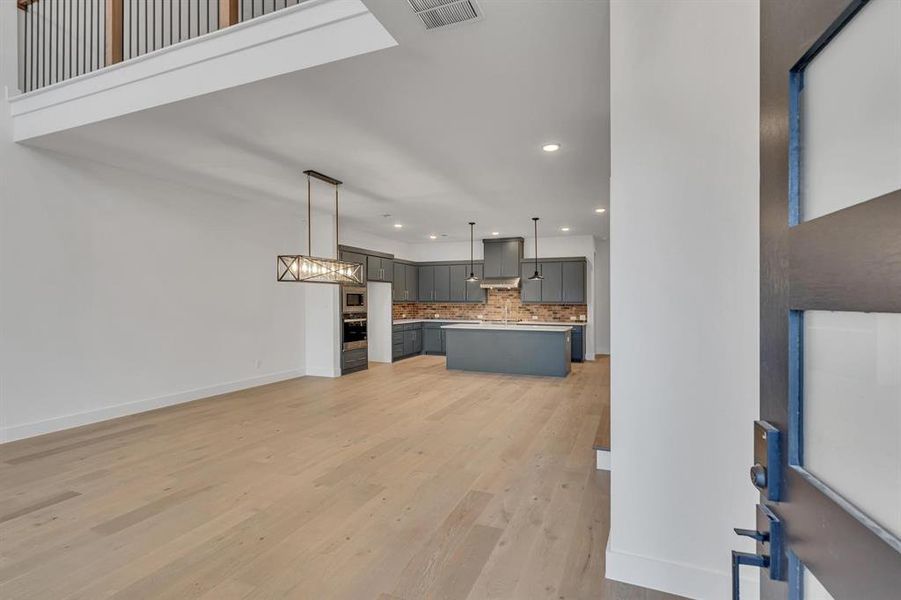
(445, 128)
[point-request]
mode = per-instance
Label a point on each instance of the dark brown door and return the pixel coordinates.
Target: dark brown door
(830, 364)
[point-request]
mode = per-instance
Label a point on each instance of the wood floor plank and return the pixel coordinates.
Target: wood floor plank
(404, 481)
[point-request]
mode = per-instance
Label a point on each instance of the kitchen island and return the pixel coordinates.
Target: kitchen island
(516, 349)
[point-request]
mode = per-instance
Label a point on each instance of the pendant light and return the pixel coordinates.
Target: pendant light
(310, 269)
(536, 276)
(472, 273)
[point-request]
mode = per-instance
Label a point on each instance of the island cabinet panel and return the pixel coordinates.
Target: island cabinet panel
(530, 290)
(442, 283)
(432, 340)
(399, 285)
(573, 283)
(412, 280)
(474, 291)
(458, 275)
(426, 283)
(552, 284)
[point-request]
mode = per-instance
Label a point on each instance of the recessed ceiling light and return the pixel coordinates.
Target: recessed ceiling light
(600, 210)
(564, 229)
(397, 225)
(550, 147)
(495, 233)
(433, 237)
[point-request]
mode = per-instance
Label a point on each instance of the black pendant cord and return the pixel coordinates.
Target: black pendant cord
(472, 273)
(536, 275)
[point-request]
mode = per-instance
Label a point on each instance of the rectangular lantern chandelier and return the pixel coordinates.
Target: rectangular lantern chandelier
(312, 269)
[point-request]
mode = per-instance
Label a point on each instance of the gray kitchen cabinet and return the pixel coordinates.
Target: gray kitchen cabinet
(552, 284)
(511, 254)
(442, 283)
(502, 257)
(426, 283)
(573, 283)
(408, 342)
(354, 257)
(458, 275)
(474, 291)
(432, 340)
(494, 259)
(529, 291)
(412, 280)
(578, 344)
(379, 269)
(417, 341)
(399, 283)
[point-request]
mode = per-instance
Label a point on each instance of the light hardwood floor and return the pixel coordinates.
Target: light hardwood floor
(402, 482)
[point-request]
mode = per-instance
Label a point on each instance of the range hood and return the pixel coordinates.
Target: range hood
(499, 283)
(502, 263)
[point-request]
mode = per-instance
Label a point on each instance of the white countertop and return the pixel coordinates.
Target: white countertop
(511, 327)
(405, 321)
(566, 323)
(529, 323)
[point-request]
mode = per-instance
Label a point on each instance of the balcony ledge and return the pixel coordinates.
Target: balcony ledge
(302, 36)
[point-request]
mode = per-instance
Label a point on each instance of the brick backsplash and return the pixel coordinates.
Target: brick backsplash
(493, 309)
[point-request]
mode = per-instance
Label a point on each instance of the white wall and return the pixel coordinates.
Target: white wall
(684, 290)
(120, 293)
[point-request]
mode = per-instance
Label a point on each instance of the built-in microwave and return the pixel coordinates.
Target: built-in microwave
(353, 300)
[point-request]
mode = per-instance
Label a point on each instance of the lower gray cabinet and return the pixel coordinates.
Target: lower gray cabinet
(578, 344)
(406, 340)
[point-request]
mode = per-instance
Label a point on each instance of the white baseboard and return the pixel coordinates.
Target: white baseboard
(603, 460)
(27, 430)
(323, 371)
(678, 578)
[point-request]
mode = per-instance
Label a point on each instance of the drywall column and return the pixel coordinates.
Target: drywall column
(322, 308)
(684, 290)
(378, 313)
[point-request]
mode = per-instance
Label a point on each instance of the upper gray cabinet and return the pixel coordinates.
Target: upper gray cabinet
(563, 283)
(574, 283)
(474, 291)
(399, 285)
(458, 275)
(552, 284)
(426, 283)
(442, 283)
(405, 286)
(354, 257)
(447, 283)
(531, 289)
(412, 279)
(379, 268)
(502, 257)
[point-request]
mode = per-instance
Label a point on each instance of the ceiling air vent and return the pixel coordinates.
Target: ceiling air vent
(441, 13)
